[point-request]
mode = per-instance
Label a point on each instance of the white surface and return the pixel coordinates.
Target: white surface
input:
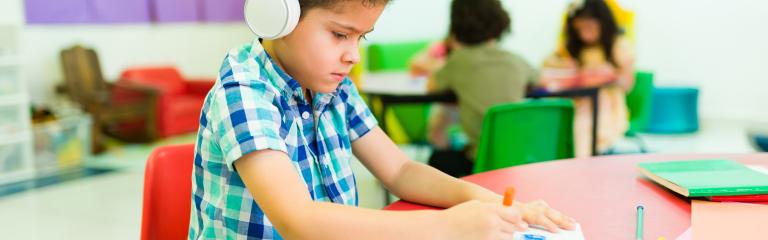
(575, 234)
(13, 99)
(687, 235)
(15, 136)
(101, 207)
(11, 12)
(8, 60)
(759, 168)
(15, 123)
(394, 83)
(715, 136)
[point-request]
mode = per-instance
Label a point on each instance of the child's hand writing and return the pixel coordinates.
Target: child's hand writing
(479, 220)
(539, 213)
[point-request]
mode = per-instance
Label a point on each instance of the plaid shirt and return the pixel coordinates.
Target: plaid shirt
(253, 106)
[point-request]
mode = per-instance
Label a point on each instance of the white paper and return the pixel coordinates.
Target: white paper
(687, 235)
(535, 233)
(758, 168)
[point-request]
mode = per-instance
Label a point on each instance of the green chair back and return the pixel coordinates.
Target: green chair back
(639, 102)
(411, 119)
(393, 56)
(527, 132)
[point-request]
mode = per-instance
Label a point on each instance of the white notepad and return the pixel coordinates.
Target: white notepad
(535, 233)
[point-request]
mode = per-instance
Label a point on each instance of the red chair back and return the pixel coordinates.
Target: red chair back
(167, 80)
(167, 193)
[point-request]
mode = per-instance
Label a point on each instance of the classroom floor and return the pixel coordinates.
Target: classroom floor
(108, 206)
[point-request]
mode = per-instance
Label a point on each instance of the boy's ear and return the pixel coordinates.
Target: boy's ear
(271, 19)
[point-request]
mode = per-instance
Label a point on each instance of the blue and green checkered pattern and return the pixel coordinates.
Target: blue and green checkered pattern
(253, 106)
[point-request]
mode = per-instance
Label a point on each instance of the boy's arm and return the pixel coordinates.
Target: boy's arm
(423, 184)
(272, 180)
(411, 180)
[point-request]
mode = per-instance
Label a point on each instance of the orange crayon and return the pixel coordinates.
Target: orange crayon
(509, 196)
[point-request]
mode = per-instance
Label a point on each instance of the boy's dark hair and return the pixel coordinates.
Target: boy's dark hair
(477, 21)
(609, 29)
(307, 5)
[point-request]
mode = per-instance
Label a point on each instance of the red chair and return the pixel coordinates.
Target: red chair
(167, 193)
(180, 100)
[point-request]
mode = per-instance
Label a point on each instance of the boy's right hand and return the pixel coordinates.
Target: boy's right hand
(479, 220)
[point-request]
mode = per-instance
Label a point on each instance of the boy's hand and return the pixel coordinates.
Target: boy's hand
(478, 220)
(539, 213)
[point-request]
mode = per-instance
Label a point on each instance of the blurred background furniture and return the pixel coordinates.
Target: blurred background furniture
(758, 138)
(167, 191)
(526, 132)
(179, 99)
(674, 110)
(16, 153)
(124, 111)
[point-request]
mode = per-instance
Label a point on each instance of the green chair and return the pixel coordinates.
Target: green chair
(414, 120)
(639, 102)
(527, 132)
(410, 120)
(393, 56)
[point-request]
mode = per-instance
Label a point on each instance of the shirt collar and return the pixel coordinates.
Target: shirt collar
(286, 83)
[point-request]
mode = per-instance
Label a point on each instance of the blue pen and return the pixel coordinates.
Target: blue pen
(639, 223)
(530, 236)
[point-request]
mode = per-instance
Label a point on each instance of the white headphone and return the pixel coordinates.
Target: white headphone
(271, 19)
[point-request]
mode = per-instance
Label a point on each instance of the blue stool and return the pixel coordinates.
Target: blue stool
(675, 110)
(760, 142)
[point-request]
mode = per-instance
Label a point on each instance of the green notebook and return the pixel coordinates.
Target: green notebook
(705, 178)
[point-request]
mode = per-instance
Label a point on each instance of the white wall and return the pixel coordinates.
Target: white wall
(11, 12)
(196, 48)
(535, 24)
(719, 47)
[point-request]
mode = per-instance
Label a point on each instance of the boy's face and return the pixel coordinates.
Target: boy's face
(322, 49)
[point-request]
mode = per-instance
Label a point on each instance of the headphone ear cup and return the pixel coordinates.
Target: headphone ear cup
(271, 19)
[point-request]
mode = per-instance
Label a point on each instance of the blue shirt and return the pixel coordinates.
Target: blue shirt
(253, 106)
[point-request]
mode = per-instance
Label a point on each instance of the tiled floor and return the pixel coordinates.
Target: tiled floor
(101, 207)
(108, 206)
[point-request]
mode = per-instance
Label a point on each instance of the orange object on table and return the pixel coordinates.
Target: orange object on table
(728, 220)
(509, 196)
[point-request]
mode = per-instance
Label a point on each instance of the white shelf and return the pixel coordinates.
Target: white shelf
(397, 82)
(9, 61)
(16, 176)
(14, 138)
(16, 132)
(13, 99)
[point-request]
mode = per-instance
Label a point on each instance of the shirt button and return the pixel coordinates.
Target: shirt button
(305, 115)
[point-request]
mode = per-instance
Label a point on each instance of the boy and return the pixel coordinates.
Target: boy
(481, 73)
(276, 136)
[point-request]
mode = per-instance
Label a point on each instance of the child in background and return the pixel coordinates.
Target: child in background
(442, 115)
(479, 72)
(598, 54)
